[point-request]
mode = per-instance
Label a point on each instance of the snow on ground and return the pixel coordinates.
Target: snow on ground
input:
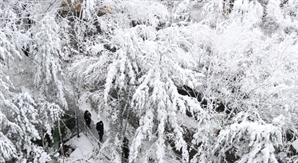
(86, 146)
(295, 144)
(95, 117)
(83, 148)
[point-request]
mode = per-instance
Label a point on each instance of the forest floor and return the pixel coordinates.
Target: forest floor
(87, 146)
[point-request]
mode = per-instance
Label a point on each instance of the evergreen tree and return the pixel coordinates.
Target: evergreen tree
(235, 61)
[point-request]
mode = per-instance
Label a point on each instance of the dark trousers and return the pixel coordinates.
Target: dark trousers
(100, 136)
(125, 155)
(88, 121)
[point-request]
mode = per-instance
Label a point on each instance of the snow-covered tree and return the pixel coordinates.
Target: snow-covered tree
(19, 112)
(7, 51)
(145, 73)
(25, 115)
(243, 65)
(214, 77)
(46, 49)
(169, 48)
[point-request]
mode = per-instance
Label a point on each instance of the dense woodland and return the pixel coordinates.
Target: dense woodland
(191, 80)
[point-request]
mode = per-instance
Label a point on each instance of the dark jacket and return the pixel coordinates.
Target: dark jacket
(125, 148)
(87, 116)
(99, 127)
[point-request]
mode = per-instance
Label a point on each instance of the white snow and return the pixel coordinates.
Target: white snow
(86, 145)
(295, 144)
(96, 117)
(187, 122)
(83, 148)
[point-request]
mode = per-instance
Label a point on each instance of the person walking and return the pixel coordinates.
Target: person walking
(87, 117)
(100, 130)
(125, 150)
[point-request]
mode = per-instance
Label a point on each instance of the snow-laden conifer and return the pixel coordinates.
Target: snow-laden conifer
(48, 115)
(146, 73)
(46, 49)
(249, 139)
(239, 57)
(25, 115)
(8, 149)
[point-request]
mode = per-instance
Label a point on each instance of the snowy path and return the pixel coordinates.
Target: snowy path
(95, 117)
(87, 146)
(83, 149)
